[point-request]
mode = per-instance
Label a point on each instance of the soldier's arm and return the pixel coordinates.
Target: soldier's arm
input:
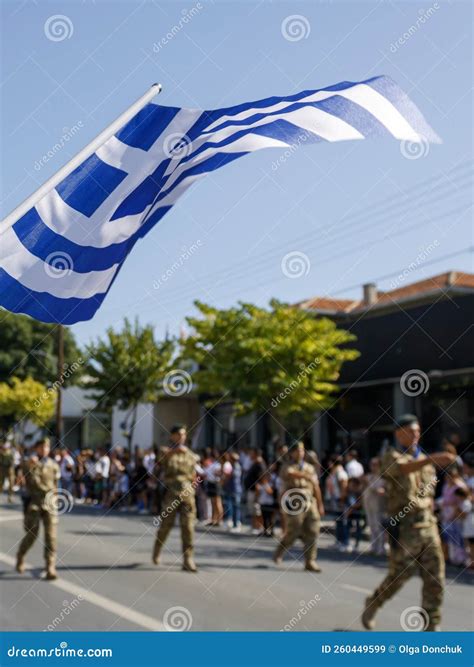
(319, 496)
(440, 459)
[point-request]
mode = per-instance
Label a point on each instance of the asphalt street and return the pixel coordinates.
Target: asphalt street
(107, 582)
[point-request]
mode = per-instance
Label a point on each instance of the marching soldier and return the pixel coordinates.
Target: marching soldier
(301, 501)
(7, 469)
(41, 475)
(178, 469)
(411, 526)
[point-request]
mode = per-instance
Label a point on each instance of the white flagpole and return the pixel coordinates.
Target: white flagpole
(80, 157)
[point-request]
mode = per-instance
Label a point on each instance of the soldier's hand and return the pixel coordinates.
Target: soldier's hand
(443, 459)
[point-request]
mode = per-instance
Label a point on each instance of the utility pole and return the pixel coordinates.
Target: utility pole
(60, 370)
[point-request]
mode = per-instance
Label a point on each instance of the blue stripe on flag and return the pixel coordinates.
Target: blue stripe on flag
(41, 241)
(144, 129)
(43, 306)
(88, 186)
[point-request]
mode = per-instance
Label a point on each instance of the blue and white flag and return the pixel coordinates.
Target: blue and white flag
(59, 260)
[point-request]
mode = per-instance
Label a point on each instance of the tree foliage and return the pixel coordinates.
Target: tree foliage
(127, 367)
(280, 359)
(23, 400)
(28, 348)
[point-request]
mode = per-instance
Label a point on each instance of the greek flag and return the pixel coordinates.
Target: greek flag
(60, 258)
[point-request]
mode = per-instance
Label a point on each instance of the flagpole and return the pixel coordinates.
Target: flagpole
(86, 152)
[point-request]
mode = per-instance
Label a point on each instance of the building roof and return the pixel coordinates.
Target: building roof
(374, 299)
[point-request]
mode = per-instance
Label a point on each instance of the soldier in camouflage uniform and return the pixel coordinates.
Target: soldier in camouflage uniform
(301, 501)
(41, 475)
(415, 546)
(178, 470)
(7, 469)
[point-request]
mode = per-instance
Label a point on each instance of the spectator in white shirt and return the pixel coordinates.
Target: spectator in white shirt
(354, 468)
(102, 472)
(66, 466)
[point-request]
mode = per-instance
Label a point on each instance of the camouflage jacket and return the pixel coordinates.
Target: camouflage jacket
(408, 496)
(41, 478)
(178, 469)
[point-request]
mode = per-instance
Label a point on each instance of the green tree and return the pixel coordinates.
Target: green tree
(127, 368)
(28, 348)
(282, 359)
(25, 400)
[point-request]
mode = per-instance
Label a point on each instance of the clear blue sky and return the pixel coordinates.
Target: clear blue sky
(247, 216)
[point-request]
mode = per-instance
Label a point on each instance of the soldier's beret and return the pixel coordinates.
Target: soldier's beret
(405, 420)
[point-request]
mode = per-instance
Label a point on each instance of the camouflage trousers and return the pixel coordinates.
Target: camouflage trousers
(418, 551)
(34, 516)
(185, 506)
(9, 475)
(305, 526)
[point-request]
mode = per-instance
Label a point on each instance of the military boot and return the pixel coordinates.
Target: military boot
(188, 561)
(278, 555)
(368, 615)
(20, 564)
(156, 553)
(312, 566)
(51, 573)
